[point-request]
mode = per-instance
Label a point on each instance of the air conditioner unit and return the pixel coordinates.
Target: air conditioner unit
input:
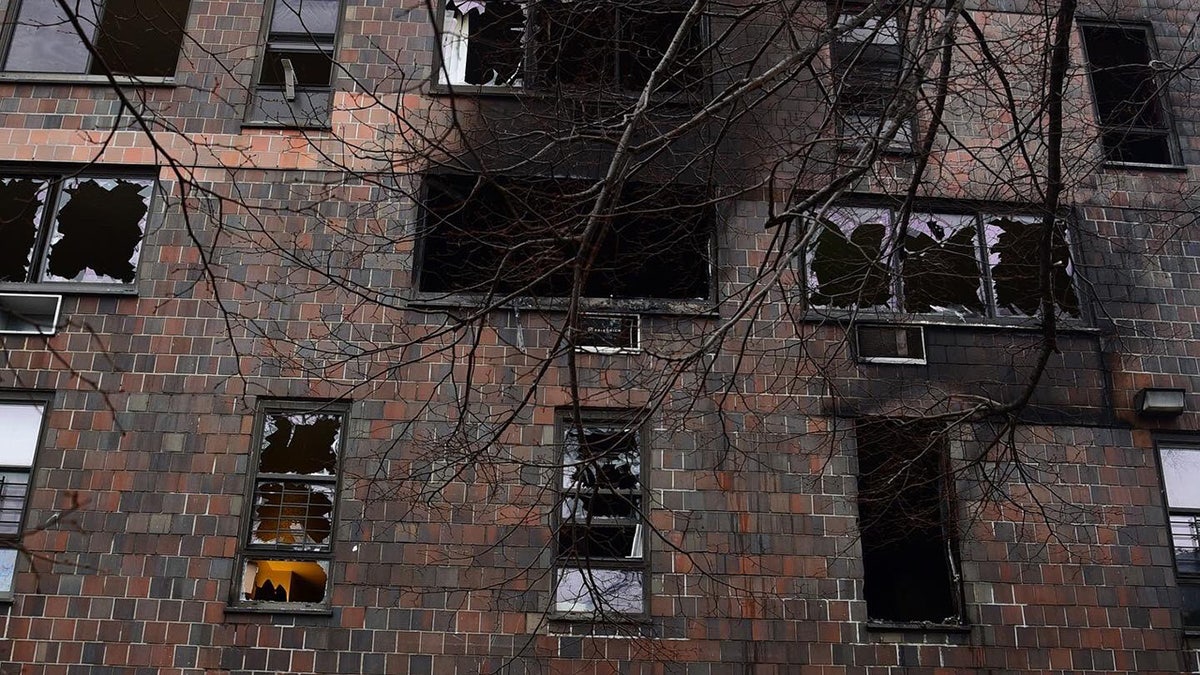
(29, 313)
(890, 344)
(608, 333)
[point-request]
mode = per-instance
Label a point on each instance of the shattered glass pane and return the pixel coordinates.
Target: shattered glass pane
(300, 443)
(1014, 254)
(293, 514)
(44, 40)
(849, 263)
(607, 458)
(587, 504)
(941, 265)
(21, 202)
(599, 590)
(492, 33)
(97, 235)
(285, 580)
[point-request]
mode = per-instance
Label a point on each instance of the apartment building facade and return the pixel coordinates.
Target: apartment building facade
(473, 336)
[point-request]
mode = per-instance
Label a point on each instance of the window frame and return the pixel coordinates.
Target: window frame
(54, 178)
(893, 257)
(1161, 97)
(845, 57)
(947, 513)
(319, 99)
(249, 551)
(531, 77)
(1183, 580)
(9, 540)
(12, 20)
(634, 304)
(600, 418)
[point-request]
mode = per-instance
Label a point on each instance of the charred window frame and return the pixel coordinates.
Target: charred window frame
(561, 44)
(291, 515)
(293, 86)
(22, 417)
(73, 230)
(1135, 125)
(499, 236)
(906, 523)
(137, 38)
(868, 62)
(962, 265)
(600, 560)
(1181, 490)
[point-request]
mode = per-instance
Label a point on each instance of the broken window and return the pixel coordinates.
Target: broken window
(942, 267)
(21, 420)
(1134, 125)
(72, 228)
(295, 77)
(289, 540)
(1181, 478)
(907, 533)
(559, 43)
(521, 236)
(868, 61)
(131, 37)
(600, 564)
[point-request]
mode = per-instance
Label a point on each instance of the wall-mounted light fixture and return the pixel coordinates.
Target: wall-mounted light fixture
(1153, 402)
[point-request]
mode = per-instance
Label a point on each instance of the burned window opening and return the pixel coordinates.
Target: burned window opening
(600, 563)
(560, 44)
(500, 236)
(1134, 124)
(140, 38)
(291, 519)
(1181, 483)
(76, 229)
(942, 267)
(908, 538)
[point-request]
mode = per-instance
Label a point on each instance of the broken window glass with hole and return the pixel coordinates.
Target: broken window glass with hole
(941, 265)
(599, 543)
(296, 581)
(131, 37)
(293, 507)
(1014, 245)
(21, 201)
(483, 42)
(98, 229)
(850, 261)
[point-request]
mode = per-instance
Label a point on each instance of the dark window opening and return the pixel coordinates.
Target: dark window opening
(910, 551)
(942, 267)
(868, 61)
(131, 37)
(72, 228)
(522, 236)
(1133, 119)
(1181, 478)
(289, 540)
(574, 45)
(599, 561)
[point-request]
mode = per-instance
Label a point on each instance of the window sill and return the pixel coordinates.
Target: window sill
(651, 306)
(68, 288)
(680, 98)
(1138, 166)
(77, 79)
(324, 127)
(916, 627)
(846, 316)
(279, 608)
